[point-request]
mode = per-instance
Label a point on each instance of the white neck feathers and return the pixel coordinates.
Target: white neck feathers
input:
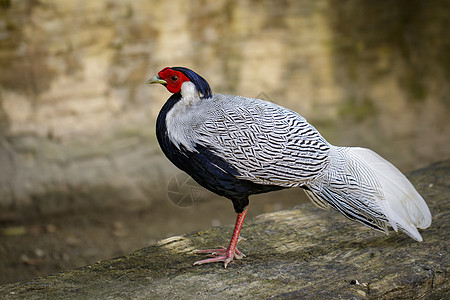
(178, 117)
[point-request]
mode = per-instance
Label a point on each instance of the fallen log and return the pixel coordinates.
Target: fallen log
(299, 253)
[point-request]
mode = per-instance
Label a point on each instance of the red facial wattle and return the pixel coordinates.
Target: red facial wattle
(173, 78)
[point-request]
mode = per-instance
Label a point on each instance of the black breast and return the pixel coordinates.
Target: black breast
(206, 168)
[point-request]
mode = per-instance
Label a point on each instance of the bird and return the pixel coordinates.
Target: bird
(236, 147)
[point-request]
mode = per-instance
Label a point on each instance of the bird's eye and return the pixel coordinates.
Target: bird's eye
(174, 78)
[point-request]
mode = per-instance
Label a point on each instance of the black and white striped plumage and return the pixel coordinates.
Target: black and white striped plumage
(237, 146)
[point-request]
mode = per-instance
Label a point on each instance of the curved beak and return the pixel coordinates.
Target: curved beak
(156, 79)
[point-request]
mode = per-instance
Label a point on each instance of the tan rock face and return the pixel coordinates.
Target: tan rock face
(76, 115)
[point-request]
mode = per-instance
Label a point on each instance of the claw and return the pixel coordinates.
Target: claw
(219, 255)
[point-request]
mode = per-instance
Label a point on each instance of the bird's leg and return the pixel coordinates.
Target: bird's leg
(222, 254)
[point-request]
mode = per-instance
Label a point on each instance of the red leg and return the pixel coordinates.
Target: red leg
(222, 254)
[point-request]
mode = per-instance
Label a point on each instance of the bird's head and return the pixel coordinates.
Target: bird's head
(174, 77)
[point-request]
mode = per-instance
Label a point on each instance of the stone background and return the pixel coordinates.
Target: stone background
(77, 119)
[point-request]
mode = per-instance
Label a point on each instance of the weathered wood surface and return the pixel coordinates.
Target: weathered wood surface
(300, 253)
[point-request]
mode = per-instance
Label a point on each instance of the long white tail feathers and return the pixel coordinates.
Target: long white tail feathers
(402, 204)
(380, 188)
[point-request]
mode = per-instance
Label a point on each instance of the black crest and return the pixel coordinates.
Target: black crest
(200, 83)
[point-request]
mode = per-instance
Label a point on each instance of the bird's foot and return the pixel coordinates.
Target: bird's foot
(226, 254)
(222, 254)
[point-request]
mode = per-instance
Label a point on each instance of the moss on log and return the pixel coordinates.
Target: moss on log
(304, 252)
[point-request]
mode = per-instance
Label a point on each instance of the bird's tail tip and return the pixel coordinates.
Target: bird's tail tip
(403, 206)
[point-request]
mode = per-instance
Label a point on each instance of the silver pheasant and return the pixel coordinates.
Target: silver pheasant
(237, 146)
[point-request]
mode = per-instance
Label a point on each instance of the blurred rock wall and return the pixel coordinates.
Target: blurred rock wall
(77, 119)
